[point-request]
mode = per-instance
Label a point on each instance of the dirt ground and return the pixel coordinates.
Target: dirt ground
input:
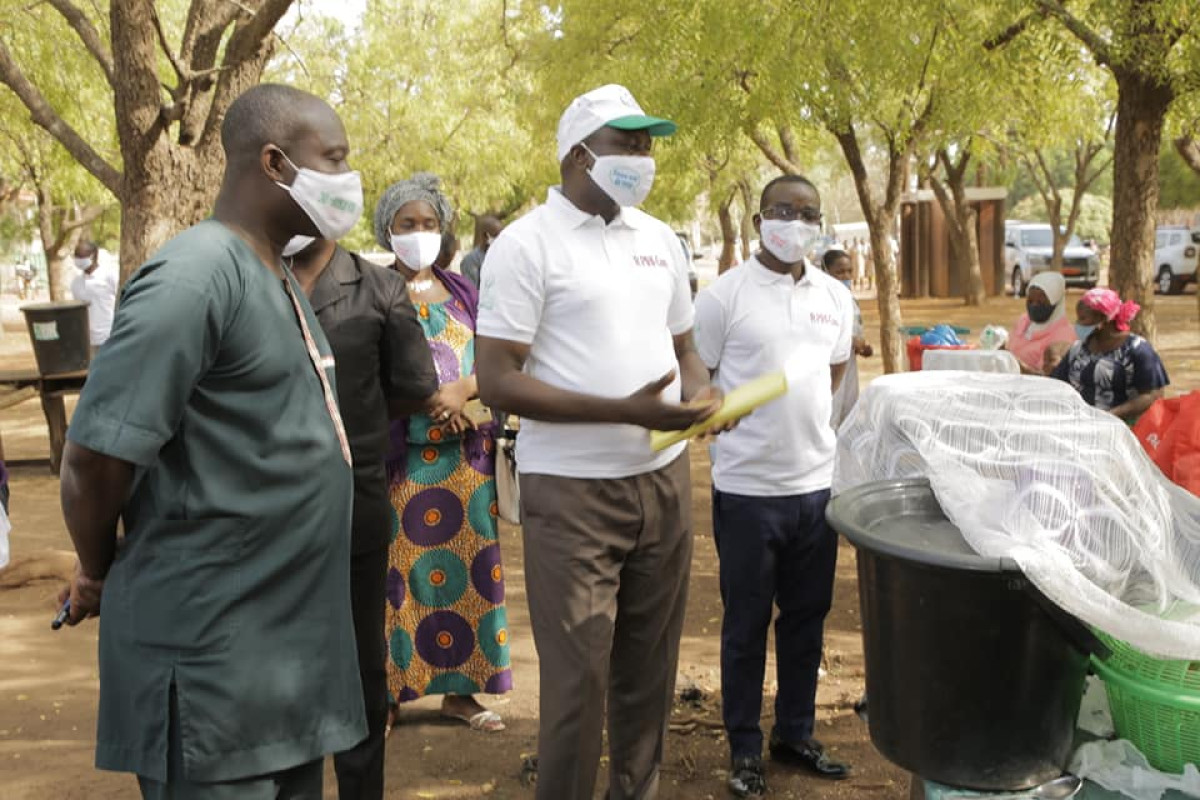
(48, 681)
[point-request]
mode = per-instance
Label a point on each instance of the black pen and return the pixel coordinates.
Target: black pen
(61, 616)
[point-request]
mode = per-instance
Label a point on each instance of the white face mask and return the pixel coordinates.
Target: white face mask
(417, 250)
(81, 263)
(626, 179)
(788, 241)
(296, 244)
(333, 201)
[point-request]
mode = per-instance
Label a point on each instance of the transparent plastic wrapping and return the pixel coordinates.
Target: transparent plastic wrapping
(1028, 471)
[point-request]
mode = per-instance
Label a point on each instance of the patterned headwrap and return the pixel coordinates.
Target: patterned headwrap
(421, 186)
(1108, 303)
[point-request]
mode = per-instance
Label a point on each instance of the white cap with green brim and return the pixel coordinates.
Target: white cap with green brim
(610, 105)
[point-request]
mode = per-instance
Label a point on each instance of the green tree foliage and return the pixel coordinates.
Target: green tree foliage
(1179, 184)
(1095, 215)
(441, 88)
(165, 73)
(1150, 48)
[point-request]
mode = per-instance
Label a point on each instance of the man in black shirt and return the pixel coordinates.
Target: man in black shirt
(384, 370)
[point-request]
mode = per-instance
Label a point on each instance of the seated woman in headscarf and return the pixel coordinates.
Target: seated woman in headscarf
(1043, 324)
(1115, 370)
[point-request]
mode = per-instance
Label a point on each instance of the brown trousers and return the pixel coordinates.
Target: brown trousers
(606, 574)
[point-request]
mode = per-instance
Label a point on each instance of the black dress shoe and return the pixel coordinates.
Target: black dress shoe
(810, 755)
(747, 777)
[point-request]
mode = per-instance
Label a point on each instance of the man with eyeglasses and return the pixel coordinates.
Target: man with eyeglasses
(585, 332)
(771, 478)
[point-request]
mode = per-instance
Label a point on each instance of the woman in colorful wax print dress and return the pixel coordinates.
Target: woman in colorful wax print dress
(1115, 370)
(1044, 323)
(447, 627)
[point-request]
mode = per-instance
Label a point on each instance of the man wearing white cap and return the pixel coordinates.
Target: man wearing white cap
(585, 332)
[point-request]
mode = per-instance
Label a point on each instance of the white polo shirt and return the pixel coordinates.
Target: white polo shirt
(598, 305)
(99, 291)
(752, 321)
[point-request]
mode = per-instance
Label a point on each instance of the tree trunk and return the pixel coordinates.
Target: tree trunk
(960, 228)
(1054, 217)
(728, 234)
(152, 214)
(881, 223)
(747, 226)
(169, 185)
(1142, 104)
(59, 236)
(976, 293)
(882, 226)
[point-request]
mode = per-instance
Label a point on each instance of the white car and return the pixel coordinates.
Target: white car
(1175, 258)
(1029, 249)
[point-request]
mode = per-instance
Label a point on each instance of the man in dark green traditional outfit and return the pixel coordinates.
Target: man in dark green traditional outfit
(209, 426)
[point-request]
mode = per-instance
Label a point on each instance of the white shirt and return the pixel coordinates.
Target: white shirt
(750, 322)
(598, 305)
(99, 291)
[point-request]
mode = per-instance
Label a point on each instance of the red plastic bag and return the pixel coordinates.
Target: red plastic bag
(1170, 433)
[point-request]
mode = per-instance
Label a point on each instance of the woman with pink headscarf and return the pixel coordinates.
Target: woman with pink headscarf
(1114, 370)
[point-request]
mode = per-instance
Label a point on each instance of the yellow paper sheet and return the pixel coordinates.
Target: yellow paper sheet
(738, 403)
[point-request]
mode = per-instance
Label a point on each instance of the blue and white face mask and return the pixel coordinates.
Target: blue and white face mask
(1084, 331)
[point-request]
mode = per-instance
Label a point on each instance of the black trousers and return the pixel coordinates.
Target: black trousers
(360, 769)
(773, 551)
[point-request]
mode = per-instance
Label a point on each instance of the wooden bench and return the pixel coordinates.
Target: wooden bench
(19, 385)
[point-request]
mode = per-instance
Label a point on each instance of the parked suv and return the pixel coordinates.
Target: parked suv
(1175, 258)
(1029, 249)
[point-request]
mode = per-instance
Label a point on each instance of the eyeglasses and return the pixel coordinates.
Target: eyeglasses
(790, 214)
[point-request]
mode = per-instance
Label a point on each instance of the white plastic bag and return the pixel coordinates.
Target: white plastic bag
(1095, 715)
(1120, 767)
(508, 487)
(5, 527)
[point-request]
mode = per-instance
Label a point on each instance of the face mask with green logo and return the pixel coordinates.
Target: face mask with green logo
(333, 201)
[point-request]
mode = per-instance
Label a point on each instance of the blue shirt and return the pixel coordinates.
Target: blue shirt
(1108, 380)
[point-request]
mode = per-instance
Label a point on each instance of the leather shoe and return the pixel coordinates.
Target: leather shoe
(747, 777)
(810, 755)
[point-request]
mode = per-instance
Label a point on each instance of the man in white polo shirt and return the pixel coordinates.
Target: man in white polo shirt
(97, 285)
(585, 332)
(771, 478)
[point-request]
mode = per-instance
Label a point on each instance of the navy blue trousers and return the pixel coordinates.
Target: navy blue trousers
(773, 551)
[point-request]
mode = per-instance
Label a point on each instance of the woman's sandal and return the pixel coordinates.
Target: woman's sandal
(485, 721)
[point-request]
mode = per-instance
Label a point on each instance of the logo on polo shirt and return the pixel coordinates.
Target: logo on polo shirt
(650, 261)
(821, 318)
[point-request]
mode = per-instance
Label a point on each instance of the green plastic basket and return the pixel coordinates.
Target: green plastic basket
(1155, 703)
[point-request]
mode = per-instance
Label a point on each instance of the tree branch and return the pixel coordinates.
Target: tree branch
(46, 117)
(90, 214)
(1189, 150)
(181, 71)
(764, 143)
(1091, 39)
(787, 138)
(1012, 31)
(207, 20)
(1045, 188)
(246, 54)
(88, 34)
